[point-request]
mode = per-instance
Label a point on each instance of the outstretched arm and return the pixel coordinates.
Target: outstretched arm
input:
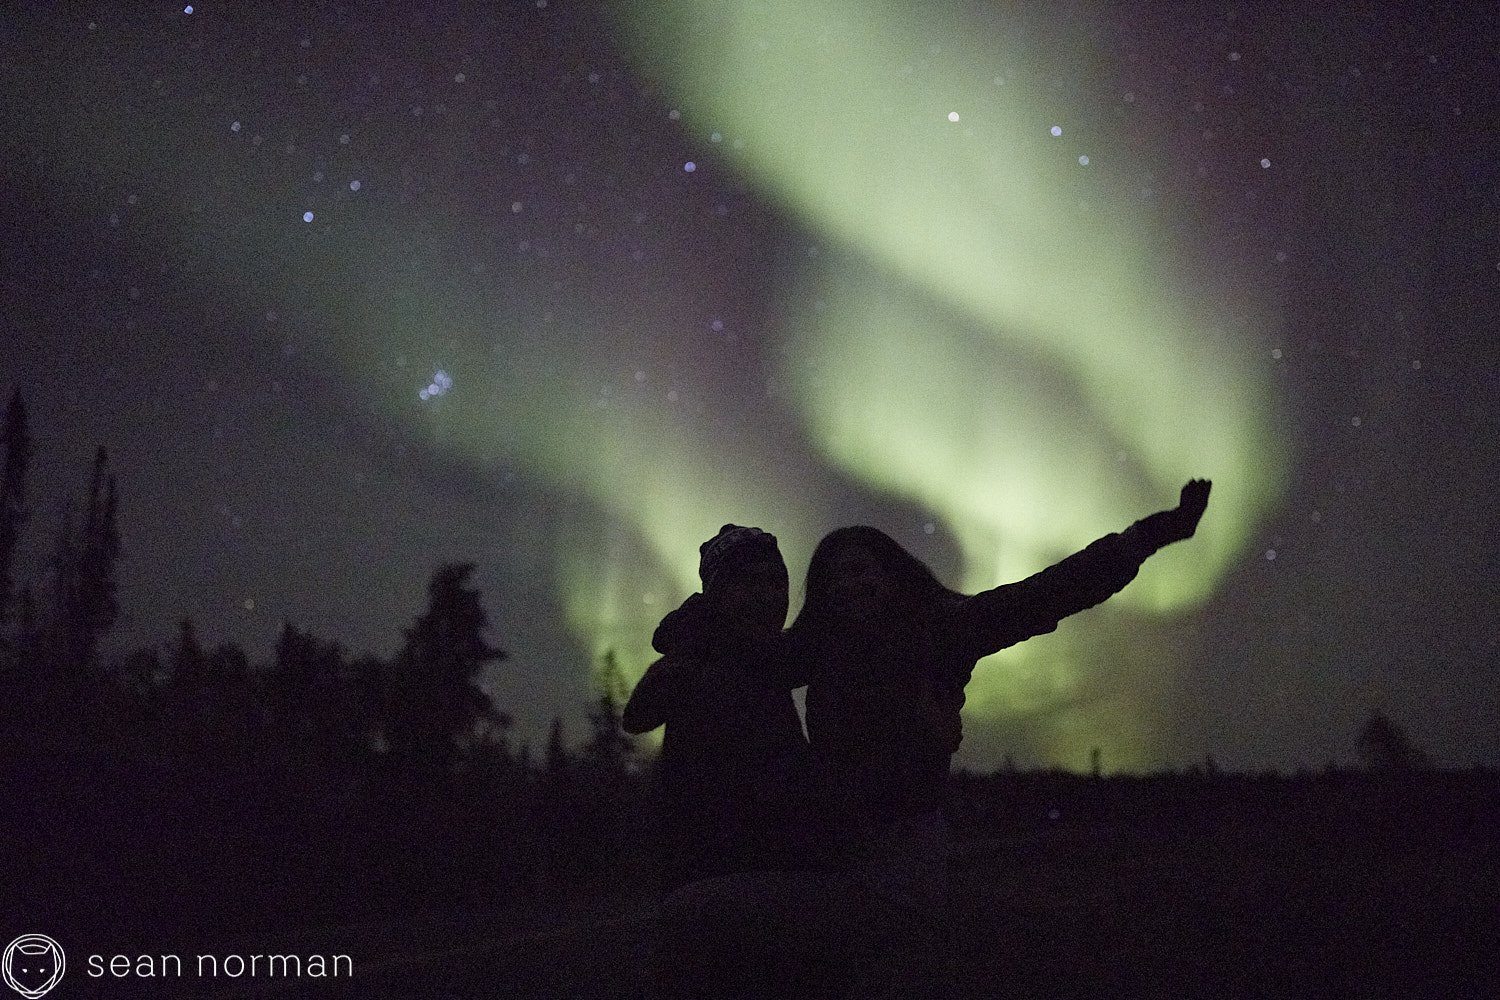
(659, 694)
(995, 619)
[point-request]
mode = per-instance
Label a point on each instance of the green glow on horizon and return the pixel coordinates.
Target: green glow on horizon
(1033, 370)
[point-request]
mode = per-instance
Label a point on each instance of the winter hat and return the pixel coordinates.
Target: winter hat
(734, 547)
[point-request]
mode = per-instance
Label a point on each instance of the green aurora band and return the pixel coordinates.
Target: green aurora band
(991, 348)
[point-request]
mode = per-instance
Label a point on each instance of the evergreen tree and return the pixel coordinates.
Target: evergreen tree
(62, 583)
(321, 707)
(610, 750)
(229, 696)
(608, 764)
(188, 663)
(558, 762)
(302, 682)
(187, 682)
(1384, 747)
(81, 577)
(559, 810)
(435, 702)
(142, 675)
(17, 441)
(362, 699)
(93, 606)
(22, 675)
(28, 627)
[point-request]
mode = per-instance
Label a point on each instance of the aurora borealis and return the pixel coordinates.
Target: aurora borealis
(995, 280)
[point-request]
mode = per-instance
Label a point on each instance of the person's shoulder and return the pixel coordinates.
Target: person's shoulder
(939, 613)
(686, 627)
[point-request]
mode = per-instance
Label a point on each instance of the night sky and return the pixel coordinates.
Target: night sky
(350, 291)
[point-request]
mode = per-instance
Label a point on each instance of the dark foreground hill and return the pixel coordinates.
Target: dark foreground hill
(1063, 886)
(1279, 904)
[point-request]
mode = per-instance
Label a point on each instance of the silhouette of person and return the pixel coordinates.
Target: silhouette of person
(886, 651)
(734, 767)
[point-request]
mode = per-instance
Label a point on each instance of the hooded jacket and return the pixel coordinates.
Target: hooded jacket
(734, 764)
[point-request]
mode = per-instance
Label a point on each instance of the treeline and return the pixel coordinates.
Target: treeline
(184, 787)
(187, 786)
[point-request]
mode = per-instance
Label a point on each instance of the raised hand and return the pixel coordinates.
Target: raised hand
(1194, 498)
(1174, 525)
(1191, 504)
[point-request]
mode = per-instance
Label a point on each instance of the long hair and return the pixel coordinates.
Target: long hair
(916, 588)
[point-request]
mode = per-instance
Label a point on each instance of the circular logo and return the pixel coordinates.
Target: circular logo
(33, 964)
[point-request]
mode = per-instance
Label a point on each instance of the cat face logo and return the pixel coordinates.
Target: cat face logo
(33, 964)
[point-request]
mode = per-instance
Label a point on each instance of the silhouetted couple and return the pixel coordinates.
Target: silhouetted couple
(817, 865)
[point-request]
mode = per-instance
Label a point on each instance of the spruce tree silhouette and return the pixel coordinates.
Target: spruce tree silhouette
(93, 604)
(362, 694)
(56, 672)
(307, 692)
(605, 768)
(50, 662)
(188, 662)
(558, 762)
(55, 668)
(1384, 747)
(141, 674)
(433, 701)
(559, 806)
(227, 700)
(187, 692)
(17, 441)
(18, 640)
(609, 750)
